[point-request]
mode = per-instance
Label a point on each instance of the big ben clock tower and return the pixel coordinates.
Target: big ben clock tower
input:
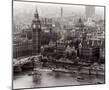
(36, 32)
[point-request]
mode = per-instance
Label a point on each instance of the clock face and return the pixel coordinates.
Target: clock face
(39, 26)
(34, 26)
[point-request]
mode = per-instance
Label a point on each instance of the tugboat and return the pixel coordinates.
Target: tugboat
(79, 78)
(99, 82)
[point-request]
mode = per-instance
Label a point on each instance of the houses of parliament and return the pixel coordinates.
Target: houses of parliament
(29, 41)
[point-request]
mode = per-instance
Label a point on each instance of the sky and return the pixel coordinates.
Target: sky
(27, 9)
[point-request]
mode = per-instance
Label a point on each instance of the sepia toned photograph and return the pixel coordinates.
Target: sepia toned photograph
(57, 44)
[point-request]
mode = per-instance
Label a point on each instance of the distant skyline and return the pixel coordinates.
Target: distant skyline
(27, 9)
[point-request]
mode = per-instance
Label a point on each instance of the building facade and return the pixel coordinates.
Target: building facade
(90, 11)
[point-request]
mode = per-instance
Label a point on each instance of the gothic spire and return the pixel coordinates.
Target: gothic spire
(36, 15)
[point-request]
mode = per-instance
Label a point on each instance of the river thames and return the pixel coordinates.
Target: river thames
(49, 78)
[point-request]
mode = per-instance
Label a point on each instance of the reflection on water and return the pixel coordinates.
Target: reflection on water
(49, 78)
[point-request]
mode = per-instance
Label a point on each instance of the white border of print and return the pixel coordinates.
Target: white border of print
(6, 47)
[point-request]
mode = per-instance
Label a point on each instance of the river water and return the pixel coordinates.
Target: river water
(49, 79)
